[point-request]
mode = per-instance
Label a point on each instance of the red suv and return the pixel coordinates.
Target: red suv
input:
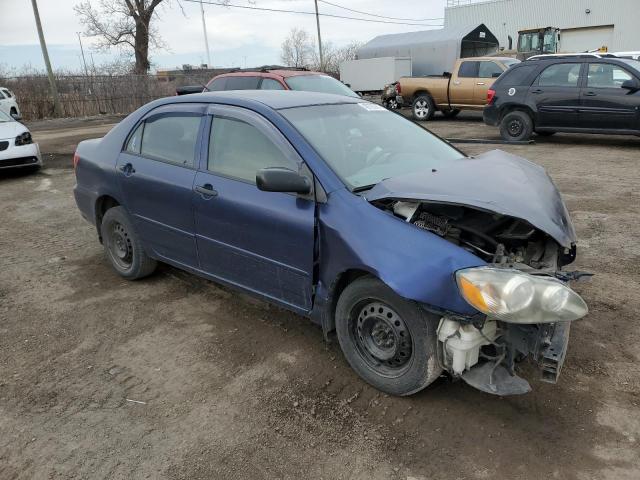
(277, 80)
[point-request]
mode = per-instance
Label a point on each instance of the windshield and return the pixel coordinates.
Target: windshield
(5, 118)
(364, 143)
(319, 83)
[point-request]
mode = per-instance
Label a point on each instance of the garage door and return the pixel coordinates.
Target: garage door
(585, 39)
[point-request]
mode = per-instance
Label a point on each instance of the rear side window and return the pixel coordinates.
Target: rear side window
(242, 83)
(560, 75)
(519, 76)
(489, 70)
(133, 145)
(468, 69)
(171, 138)
(7, 93)
(217, 85)
(270, 84)
(239, 150)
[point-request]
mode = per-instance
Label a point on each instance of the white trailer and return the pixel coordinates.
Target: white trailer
(372, 74)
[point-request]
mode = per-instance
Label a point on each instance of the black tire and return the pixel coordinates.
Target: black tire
(389, 341)
(122, 246)
(545, 134)
(451, 113)
(516, 126)
(423, 108)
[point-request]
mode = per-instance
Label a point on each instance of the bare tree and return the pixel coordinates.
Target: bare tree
(333, 56)
(124, 24)
(297, 48)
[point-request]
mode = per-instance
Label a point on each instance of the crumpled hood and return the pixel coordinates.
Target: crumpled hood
(495, 181)
(9, 130)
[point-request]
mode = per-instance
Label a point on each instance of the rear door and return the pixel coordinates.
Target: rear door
(242, 82)
(488, 71)
(262, 241)
(604, 103)
(156, 173)
(556, 94)
(463, 83)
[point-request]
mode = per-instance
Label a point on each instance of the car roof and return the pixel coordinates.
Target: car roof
(498, 59)
(276, 99)
(269, 73)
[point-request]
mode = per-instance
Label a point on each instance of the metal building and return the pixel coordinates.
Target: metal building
(432, 52)
(585, 24)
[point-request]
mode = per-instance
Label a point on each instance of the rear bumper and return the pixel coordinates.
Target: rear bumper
(491, 115)
(85, 200)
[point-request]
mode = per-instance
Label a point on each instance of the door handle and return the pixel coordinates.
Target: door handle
(537, 91)
(127, 169)
(206, 190)
(590, 94)
(456, 83)
(480, 83)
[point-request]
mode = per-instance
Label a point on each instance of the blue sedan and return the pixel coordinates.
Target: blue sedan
(421, 260)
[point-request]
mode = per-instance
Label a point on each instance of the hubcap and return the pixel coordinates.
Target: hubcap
(382, 338)
(120, 246)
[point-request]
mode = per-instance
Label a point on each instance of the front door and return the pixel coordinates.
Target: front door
(605, 104)
(488, 71)
(156, 173)
(556, 94)
(262, 241)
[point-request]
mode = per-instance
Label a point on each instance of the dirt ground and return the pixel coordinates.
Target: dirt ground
(174, 377)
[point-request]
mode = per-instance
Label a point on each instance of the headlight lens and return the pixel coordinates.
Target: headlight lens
(23, 139)
(517, 297)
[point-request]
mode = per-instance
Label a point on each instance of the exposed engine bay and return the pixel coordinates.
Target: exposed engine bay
(483, 352)
(497, 239)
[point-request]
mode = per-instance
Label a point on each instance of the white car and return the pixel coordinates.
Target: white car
(9, 104)
(17, 149)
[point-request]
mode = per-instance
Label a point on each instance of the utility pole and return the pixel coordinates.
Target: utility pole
(52, 82)
(319, 38)
(86, 72)
(206, 40)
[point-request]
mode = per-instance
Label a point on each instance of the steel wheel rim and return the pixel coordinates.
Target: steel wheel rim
(421, 109)
(393, 104)
(381, 338)
(515, 127)
(120, 246)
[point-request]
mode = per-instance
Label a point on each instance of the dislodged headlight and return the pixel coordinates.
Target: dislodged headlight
(516, 297)
(23, 139)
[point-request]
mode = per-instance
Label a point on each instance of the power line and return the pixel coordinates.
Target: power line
(281, 10)
(381, 16)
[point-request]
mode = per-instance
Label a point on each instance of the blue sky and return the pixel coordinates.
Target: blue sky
(235, 36)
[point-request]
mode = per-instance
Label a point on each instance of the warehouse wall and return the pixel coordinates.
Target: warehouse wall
(506, 17)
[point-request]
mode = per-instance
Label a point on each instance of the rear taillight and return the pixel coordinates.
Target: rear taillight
(491, 94)
(398, 89)
(76, 159)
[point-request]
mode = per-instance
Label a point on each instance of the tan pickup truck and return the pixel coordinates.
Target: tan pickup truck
(465, 88)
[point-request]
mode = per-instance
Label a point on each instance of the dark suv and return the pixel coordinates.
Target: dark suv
(566, 94)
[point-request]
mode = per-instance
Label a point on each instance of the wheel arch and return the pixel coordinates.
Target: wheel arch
(513, 107)
(421, 91)
(103, 203)
(341, 281)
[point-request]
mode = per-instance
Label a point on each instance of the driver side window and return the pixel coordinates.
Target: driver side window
(238, 150)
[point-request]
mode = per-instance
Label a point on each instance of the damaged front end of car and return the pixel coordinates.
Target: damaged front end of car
(524, 237)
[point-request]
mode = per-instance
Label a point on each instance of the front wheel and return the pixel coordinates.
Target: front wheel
(423, 108)
(516, 126)
(389, 341)
(123, 247)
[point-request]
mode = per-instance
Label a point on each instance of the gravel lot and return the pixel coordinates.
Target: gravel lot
(174, 377)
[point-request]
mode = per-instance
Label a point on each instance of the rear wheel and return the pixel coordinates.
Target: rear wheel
(516, 126)
(423, 107)
(123, 247)
(389, 341)
(392, 104)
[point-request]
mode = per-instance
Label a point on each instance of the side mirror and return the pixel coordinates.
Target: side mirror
(632, 85)
(278, 179)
